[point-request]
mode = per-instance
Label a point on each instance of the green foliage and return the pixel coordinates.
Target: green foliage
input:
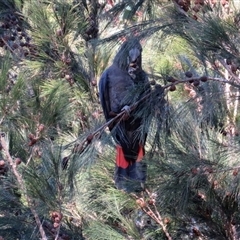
(50, 114)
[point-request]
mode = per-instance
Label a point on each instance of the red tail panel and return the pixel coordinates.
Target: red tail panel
(120, 160)
(140, 154)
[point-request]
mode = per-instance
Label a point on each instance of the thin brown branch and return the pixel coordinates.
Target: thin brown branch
(228, 68)
(83, 145)
(154, 214)
(21, 184)
(10, 49)
(157, 217)
(133, 106)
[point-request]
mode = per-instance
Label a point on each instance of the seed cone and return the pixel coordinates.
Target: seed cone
(171, 79)
(2, 163)
(196, 83)
(188, 74)
(172, 88)
(18, 161)
(203, 78)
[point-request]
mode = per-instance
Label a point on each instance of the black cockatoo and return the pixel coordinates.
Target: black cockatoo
(121, 85)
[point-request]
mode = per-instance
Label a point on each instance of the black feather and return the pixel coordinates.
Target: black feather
(124, 83)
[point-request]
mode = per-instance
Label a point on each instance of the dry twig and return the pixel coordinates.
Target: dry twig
(153, 213)
(21, 184)
(83, 145)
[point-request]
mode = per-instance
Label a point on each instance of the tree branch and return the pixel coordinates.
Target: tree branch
(21, 184)
(83, 145)
(154, 214)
